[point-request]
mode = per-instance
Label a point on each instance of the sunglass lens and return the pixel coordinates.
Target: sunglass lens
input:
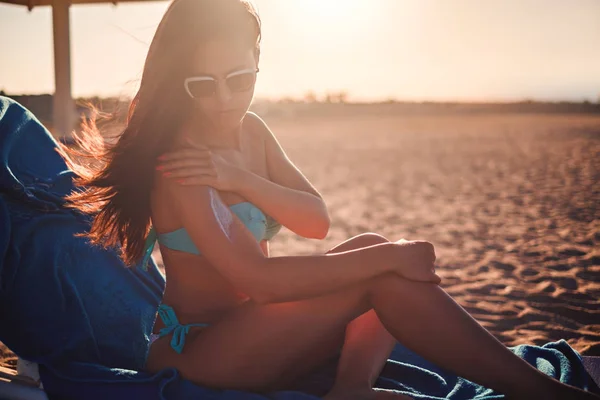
(201, 88)
(241, 82)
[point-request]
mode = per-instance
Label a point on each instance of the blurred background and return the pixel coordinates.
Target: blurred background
(474, 125)
(372, 50)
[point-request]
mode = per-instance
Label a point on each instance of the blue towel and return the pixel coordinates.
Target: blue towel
(61, 299)
(85, 318)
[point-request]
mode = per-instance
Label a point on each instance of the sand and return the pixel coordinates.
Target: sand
(511, 203)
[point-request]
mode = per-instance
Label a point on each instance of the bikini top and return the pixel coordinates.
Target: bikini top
(262, 227)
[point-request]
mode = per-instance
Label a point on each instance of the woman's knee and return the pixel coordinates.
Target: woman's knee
(393, 283)
(359, 241)
(370, 239)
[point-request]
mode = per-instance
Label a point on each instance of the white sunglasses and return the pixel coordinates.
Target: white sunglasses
(206, 86)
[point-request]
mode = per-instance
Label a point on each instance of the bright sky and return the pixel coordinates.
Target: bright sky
(373, 49)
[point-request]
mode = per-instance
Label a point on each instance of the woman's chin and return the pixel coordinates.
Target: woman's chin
(226, 121)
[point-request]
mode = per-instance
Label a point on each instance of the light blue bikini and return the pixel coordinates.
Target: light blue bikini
(262, 227)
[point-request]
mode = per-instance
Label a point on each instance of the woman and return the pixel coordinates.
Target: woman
(233, 317)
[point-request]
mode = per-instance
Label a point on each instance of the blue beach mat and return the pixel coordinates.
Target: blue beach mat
(85, 318)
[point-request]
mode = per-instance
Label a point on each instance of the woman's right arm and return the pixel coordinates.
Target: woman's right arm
(229, 246)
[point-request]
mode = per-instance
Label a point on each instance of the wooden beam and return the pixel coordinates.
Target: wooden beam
(64, 116)
(35, 3)
(17, 2)
(63, 107)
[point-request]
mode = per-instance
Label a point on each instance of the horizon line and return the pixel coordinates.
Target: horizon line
(357, 100)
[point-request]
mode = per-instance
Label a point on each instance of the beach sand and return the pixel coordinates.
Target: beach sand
(511, 203)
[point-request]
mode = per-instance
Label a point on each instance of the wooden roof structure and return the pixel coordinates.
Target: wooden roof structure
(35, 3)
(64, 117)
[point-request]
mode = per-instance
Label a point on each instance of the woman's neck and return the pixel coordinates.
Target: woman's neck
(214, 137)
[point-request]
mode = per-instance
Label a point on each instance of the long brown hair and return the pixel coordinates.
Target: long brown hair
(116, 179)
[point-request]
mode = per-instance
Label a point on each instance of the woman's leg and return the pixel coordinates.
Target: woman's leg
(257, 347)
(367, 343)
(424, 318)
(367, 346)
(264, 347)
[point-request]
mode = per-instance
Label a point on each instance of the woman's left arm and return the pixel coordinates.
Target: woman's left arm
(287, 196)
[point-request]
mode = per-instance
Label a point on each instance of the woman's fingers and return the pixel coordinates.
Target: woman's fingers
(207, 180)
(190, 172)
(184, 163)
(426, 277)
(431, 277)
(195, 145)
(429, 270)
(184, 153)
(419, 261)
(422, 272)
(427, 274)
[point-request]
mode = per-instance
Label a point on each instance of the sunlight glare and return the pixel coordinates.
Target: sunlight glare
(334, 15)
(334, 9)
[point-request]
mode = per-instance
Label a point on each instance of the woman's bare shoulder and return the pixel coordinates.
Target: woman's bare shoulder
(256, 126)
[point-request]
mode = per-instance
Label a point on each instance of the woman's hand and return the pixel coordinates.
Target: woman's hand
(417, 258)
(199, 166)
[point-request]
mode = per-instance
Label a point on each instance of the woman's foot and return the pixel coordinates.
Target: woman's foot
(365, 394)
